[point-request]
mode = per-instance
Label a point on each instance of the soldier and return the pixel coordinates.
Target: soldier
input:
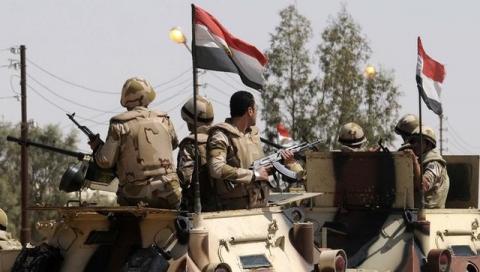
(435, 181)
(6, 240)
(405, 127)
(352, 138)
(186, 154)
(232, 146)
(139, 145)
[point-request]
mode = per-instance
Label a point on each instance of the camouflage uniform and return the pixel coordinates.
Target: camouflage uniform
(230, 153)
(7, 242)
(186, 165)
(438, 182)
(139, 144)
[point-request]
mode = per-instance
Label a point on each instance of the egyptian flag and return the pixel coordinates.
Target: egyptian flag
(217, 49)
(283, 135)
(430, 75)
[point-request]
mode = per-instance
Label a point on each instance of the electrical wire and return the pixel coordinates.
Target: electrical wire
(70, 82)
(9, 97)
(12, 88)
(67, 99)
(219, 90)
(224, 81)
(459, 137)
(173, 79)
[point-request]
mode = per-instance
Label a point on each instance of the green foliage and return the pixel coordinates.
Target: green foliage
(288, 91)
(346, 95)
(315, 107)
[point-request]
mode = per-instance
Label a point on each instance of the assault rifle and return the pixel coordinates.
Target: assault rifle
(276, 158)
(91, 136)
(76, 177)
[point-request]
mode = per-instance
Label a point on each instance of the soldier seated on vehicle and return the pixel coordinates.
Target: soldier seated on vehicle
(6, 240)
(232, 147)
(186, 154)
(435, 181)
(352, 138)
(405, 127)
(139, 145)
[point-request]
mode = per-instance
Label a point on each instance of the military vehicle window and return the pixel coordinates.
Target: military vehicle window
(462, 250)
(254, 261)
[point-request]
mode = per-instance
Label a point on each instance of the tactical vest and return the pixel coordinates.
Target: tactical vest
(145, 147)
(206, 191)
(242, 151)
(437, 198)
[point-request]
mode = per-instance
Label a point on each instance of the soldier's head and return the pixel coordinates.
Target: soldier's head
(136, 92)
(3, 220)
(352, 136)
(242, 105)
(204, 112)
(406, 125)
(428, 142)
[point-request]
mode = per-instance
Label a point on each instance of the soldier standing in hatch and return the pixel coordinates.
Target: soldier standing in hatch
(139, 145)
(232, 146)
(352, 138)
(435, 181)
(405, 127)
(186, 154)
(6, 240)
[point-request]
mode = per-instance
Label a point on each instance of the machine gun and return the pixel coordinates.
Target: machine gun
(91, 136)
(275, 160)
(77, 176)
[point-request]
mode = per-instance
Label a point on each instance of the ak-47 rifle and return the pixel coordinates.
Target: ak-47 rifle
(91, 136)
(275, 160)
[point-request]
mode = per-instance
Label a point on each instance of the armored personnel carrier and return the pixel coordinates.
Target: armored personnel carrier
(360, 213)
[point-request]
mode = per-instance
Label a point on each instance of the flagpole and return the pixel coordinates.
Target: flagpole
(421, 147)
(197, 204)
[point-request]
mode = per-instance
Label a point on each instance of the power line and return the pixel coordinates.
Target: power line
(9, 97)
(460, 138)
(224, 81)
(70, 82)
(66, 99)
(173, 79)
(218, 89)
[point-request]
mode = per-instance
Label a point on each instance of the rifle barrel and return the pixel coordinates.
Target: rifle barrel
(79, 155)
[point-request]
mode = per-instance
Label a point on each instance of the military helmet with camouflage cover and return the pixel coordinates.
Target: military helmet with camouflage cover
(406, 125)
(351, 134)
(204, 111)
(137, 92)
(428, 133)
(3, 219)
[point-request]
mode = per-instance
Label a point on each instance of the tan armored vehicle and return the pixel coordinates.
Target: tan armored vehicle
(363, 216)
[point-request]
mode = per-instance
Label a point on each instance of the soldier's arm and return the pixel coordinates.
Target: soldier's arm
(107, 155)
(431, 175)
(217, 148)
(173, 134)
(185, 165)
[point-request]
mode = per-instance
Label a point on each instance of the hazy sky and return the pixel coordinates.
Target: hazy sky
(99, 44)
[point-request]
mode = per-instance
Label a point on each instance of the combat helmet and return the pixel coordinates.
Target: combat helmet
(204, 111)
(351, 134)
(3, 220)
(428, 133)
(406, 125)
(137, 92)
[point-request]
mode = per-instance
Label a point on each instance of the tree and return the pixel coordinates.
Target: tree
(346, 95)
(45, 170)
(288, 93)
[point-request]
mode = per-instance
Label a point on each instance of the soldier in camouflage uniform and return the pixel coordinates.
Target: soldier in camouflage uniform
(139, 145)
(186, 154)
(435, 181)
(405, 127)
(351, 138)
(6, 240)
(232, 146)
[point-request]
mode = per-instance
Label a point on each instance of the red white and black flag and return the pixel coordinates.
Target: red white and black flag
(217, 49)
(430, 75)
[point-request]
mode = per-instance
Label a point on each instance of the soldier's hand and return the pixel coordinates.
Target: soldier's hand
(261, 174)
(95, 142)
(287, 156)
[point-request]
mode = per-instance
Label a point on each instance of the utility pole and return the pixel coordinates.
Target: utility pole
(441, 134)
(25, 230)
